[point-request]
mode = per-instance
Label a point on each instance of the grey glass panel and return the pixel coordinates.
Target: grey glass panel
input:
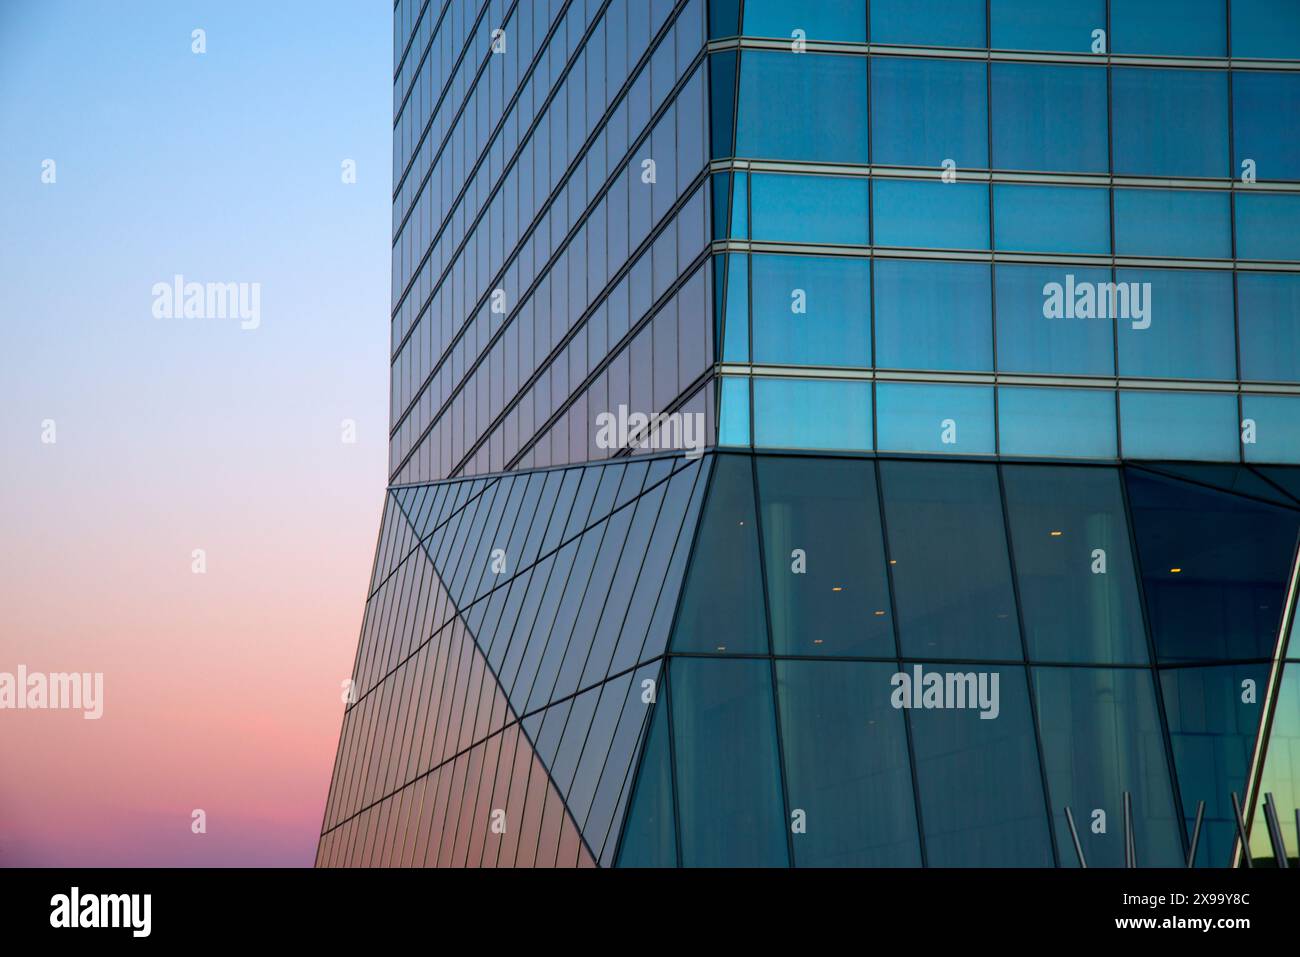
(948, 560)
(977, 767)
(614, 790)
(1074, 561)
(1101, 737)
(833, 777)
(728, 777)
(825, 557)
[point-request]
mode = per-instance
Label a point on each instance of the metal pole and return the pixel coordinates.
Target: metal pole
(1274, 831)
(1196, 833)
(1241, 831)
(1074, 836)
(1130, 848)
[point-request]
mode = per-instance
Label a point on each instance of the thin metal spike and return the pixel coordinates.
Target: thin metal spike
(1274, 831)
(1074, 836)
(1130, 855)
(1196, 833)
(1241, 831)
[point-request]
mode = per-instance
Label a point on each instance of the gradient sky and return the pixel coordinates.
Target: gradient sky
(222, 690)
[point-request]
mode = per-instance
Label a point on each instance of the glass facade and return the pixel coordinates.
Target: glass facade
(987, 313)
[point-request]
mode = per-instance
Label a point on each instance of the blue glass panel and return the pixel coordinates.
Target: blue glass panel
(722, 605)
(1272, 422)
(931, 214)
(948, 560)
(1212, 731)
(832, 777)
(1258, 99)
(939, 23)
(1214, 567)
(1074, 423)
(1168, 27)
(1101, 737)
(1064, 25)
(1035, 333)
(828, 20)
(1268, 226)
(924, 112)
(1050, 118)
(919, 417)
(1170, 222)
(1268, 326)
(735, 337)
(722, 94)
(825, 557)
(781, 106)
(1175, 323)
(733, 415)
(1000, 819)
(792, 414)
(728, 779)
(933, 315)
(1029, 218)
(811, 310)
(1074, 563)
(809, 209)
(648, 833)
(1155, 133)
(1266, 28)
(724, 18)
(1179, 425)
(740, 206)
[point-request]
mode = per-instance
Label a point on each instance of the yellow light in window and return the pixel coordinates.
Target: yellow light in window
(837, 588)
(1057, 534)
(1175, 571)
(879, 613)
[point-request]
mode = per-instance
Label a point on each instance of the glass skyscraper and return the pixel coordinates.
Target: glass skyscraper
(761, 366)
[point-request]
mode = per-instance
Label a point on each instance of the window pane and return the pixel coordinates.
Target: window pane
(722, 606)
(791, 414)
(1049, 118)
(1074, 423)
(948, 560)
(1065, 25)
(1170, 122)
(649, 834)
(1029, 341)
(933, 315)
(832, 777)
(1074, 562)
(1266, 28)
(1000, 819)
(1168, 27)
(1267, 307)
(1258, 100)
(811, 310)
(825, 557)
(782, 97)
(735, 332)
(931, 214)
(1179, 425)
(1170, 222)
(916, 417)
(1272, 423)
(938, 23)
(1029, 219)
(827, 20)
(1268, 226)
(728, 782)
(1177, 323)
(1214, 568)
(1212, 732)
(924, 112)
(733, 419)
(1101, 737)
(809, 209)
